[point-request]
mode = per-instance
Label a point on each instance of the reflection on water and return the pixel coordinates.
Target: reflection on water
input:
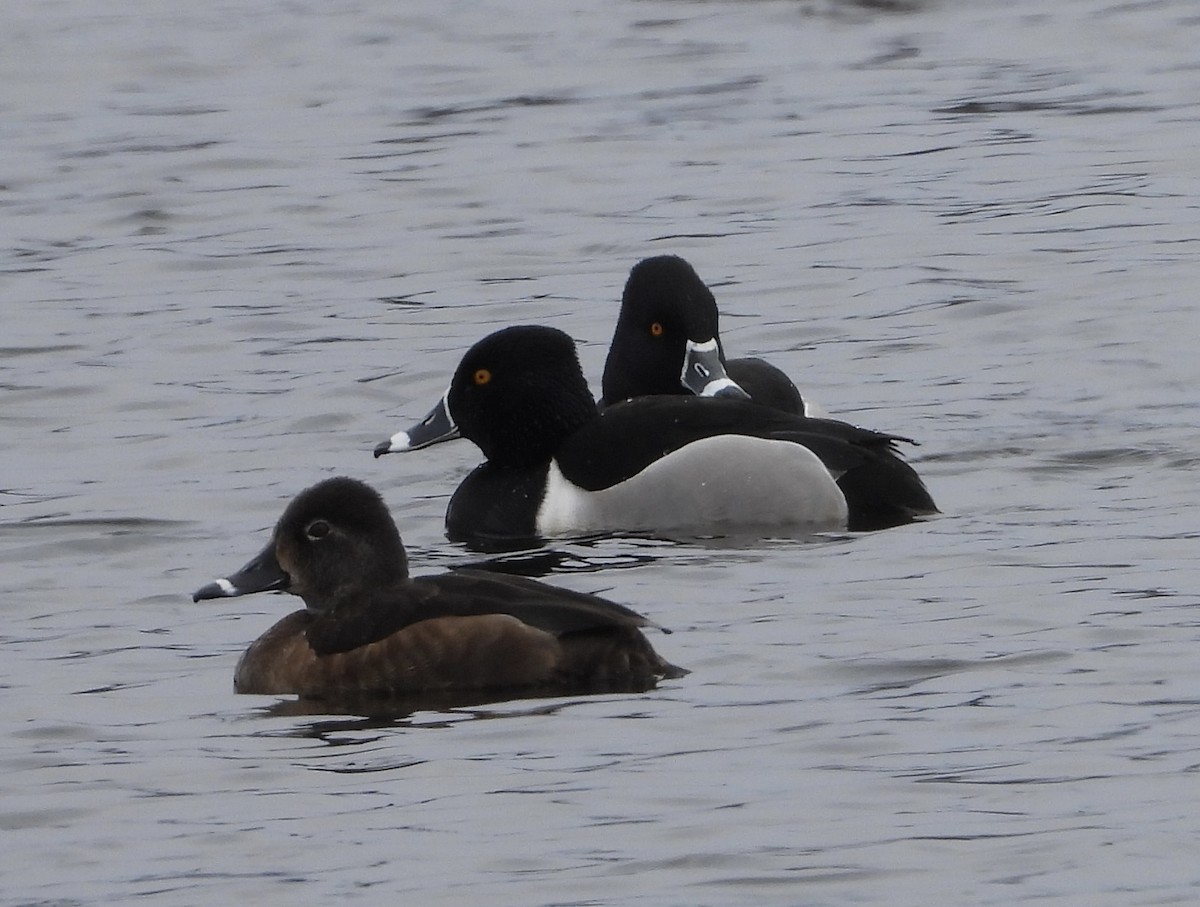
(543, 562)
(433, 710)
(395, 710)
(242, 243)
(880, 675)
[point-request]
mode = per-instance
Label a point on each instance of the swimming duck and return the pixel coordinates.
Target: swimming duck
(666, 342)
(368, 629)
(557, 466)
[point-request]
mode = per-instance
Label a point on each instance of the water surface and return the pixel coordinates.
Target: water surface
(243, 243)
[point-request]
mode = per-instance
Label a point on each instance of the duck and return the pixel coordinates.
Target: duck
(667, 342)
(556, 465)
(369, 630)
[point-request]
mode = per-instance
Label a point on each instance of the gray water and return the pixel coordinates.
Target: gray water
(242, 242)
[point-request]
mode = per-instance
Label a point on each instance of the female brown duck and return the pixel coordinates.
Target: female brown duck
(368, 629)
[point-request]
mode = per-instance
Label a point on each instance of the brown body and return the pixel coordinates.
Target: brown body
(369, 630)
(495, 651)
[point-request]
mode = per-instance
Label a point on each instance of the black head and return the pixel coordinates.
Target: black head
(334, 540)
(519, 393)
(664, 306)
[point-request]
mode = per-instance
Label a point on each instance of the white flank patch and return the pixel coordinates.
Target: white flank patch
(725, 484)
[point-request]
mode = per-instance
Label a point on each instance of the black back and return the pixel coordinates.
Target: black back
(766, 384)
(881, 489)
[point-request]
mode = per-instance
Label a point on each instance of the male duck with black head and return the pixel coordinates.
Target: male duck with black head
(557, 466)
(667, 342)
(370, 630)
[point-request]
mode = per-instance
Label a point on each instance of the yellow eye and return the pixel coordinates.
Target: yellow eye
(656, 329)
(482, 376)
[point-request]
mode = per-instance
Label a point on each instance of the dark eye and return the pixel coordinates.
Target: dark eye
(481, 377)
(317, 530)
(656, 329)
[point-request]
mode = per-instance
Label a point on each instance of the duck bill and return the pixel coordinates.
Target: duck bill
(704, 372)
(263, 574)
(436, 427)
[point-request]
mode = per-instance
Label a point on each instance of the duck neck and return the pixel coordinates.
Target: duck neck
(533, 438)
